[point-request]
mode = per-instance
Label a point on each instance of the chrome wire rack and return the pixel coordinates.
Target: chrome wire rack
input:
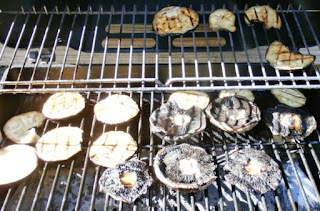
(73, 184)
(105, 49)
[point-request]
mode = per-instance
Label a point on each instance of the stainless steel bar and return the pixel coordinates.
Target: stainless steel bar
(67, 47)
(183, 65)
(207, 45)
(8, 35)
(118, 47)
(143, 70)
(5, 202)
(94, 189)
(106, 46)
(66, 190)
(310, 26)
(84, 27)
(132, 42)
(35, 199)
(30, 44)
(96, 28)
(244, 44)
(298, 178)
(41, 49)
(55, 44)
(23, 192)
(53, 186)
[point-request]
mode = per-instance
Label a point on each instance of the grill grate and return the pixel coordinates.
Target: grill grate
(135, 60)
(73, 184)
(107, 49)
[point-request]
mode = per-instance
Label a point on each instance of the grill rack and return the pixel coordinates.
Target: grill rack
(236, 62)
(150, 89)
(73, 184)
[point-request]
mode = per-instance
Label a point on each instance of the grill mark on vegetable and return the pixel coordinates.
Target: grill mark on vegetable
(256, 14)
(189, 15)
(266, 18)
(277, 20)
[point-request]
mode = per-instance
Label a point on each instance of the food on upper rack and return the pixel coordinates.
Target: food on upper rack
(111, 148)
(233, 114)
(280, 57)
(174, 123)
(290, 122)
(252, 170)
(116, 109)
(240, 92)
(264, 14)
(63, 104)
(187, 99)
(222, 19)
(184, 167)
(59, 144)
(21, 128)
(126, 181)
(175, 20)
(17, 161)
(290, 97)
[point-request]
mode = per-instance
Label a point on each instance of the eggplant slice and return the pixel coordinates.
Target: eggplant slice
(174, 123)
(184, 167)
(264, 14)
(280, 57)
(175, 20)
(290, 122)
(234, 114)
(126, 181)
(252, 170)
(222, 19)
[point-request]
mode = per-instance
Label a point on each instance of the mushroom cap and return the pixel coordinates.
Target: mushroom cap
(174, 123)
(290, 122)
(261, 180)
(184, 167)
(111, 181)
(233, 114)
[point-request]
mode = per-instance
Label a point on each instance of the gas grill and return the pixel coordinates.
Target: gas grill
(99, 49)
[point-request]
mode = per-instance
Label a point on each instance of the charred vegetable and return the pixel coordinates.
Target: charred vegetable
(175, 20)
(126, 181)
(264, 14)
(289, 122)
(175, 123)
(233, 114)
(252, 170)
(280, 57)
(184, 167)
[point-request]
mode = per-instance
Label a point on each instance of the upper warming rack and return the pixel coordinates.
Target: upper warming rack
(115, 49)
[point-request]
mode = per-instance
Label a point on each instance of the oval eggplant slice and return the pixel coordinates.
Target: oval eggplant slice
(126, 181)
(222, 19)
(175, 20)
(187, 99)
(252, 170)
(233, 114)
(264, 14)
(289, 122)
(174, 123)
(184, 167)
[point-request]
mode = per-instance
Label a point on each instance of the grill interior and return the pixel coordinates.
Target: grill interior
(147, 67)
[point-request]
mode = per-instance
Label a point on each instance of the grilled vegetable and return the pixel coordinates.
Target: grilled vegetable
(16, 162)
(222, 19)
(175, 20)
(116, 109)
(243, 93)
(21, 128)
(187, 99)
(63, 104)
(233, 114)
(290, 97)
(289, 122)
(59, 144)
(252, 170)
(174, 123)
(184, 167)
(112, 148)
(126, 181)
(264, 14)
(280, 57)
